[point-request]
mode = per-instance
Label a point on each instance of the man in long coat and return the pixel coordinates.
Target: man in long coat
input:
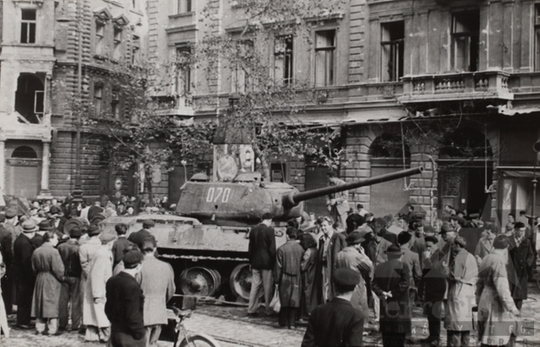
(337, 323)
(287, 275)
(8, 281)
(497, 312)
(391, 284)
(308, 268)
(157, 283)
(125, 302)
(48, 266)
(521, 259)
(97, 324)
(87, 251)
(6, 250)
(24, 274)
(353, 257)
(461, 272)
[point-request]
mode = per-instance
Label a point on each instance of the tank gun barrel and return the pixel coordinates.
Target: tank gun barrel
(294, 199)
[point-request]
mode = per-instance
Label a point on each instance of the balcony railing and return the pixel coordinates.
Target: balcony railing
(456, 86)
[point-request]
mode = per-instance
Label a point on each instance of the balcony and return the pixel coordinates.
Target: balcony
(456, 86)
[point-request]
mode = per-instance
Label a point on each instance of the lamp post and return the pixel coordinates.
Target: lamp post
(536, 148)
(77, 191)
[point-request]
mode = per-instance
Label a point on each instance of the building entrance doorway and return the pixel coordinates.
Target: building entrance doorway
(23, 174)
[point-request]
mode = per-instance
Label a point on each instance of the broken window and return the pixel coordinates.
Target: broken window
(117, 53)
(100, 33)
(136, 50)
(283, 59)
(242, 62)
(183, 76)
(537, 38)
(29, 98)
(392, 50)
(98, 100)
(465, 37)
(28, 26)
(325, 48)
(115, 105)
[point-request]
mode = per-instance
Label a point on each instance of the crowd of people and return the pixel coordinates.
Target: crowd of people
(337, 277)
(108, 286)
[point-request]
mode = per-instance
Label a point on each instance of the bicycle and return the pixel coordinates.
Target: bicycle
(176, 329)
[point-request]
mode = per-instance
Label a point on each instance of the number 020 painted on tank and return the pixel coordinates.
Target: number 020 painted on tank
(216, 193)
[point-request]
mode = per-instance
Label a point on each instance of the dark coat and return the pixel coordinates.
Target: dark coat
(37, 240)
(336, 323)
(6, 245)
(327, 263)
(118, 249)
(138, 237)
(69, 251)
(124, 308)
(395, 313)
(522, 257)
(23, 249)
(308, 266)
(262, 247)
(391, 237)
(433, 284)
(287, 273)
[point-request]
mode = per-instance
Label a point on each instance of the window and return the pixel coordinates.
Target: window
(100, 33)
(392, 49)
(183, 6)
(183, 64)
(325, 47)
(115, 105)
(28, 26)
(537, 37)
(465, 36)
(98, 100)
(283, 59)
(136, 50)
(117, 53)
(240, 81)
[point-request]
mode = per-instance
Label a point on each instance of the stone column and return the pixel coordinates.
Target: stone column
(45, 193)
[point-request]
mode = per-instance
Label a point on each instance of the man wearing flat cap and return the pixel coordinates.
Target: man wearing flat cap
(391, 284)
(138, 236)
(521, 258)
(354, 257)
(125, 304)
(97, 324)
(338, 322)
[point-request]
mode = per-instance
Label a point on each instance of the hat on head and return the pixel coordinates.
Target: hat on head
(446, 228)
(266, 216)
(431, 239)
(93, 230)
(75, 232)
(148, 223)
(11, 212)
(393, 251)
(356, 237)
(56, 211)
(132, 259)
(519, 225)
(45, 226)
(29, 226)
(346, 277)
(106, 238)
(460, 241)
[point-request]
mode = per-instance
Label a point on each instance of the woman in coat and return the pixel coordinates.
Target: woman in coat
(308, 265)
(49, 267)
(97, 324)
(497, 311)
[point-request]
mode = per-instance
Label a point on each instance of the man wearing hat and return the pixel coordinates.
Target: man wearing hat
(521, 258)
(88, 249)
(431, 290)
(338, 322)
(125, 304)
(461, 274)
(44, 227)
(94, 318)
(138, 236)
(353, 257)
(24, 274)
(71, 292)
(391, 284)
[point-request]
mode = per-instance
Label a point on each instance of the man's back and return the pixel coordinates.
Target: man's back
(262, 247)
(336, 323)
(124, 305)
(157, 283)
(139, 236)
(69, 251)
(413, 261)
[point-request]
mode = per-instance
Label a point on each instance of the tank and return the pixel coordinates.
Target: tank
(207, 240)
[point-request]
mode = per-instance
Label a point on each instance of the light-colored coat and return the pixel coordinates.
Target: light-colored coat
(157, 283)
(495, 303)
(483, 248)
(100, 272)
(413, 261)
(49, 268)
(86, 254)
(351, 258)
(461, 292)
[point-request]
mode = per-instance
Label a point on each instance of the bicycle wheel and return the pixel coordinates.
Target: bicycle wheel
(199, 340)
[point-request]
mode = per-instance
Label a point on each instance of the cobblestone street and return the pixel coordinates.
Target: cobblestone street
(230, 327)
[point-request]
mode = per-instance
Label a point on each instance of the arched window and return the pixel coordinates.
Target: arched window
(24, 152)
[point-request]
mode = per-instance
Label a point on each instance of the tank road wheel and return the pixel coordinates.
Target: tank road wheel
(200, 281)
(240, 281)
